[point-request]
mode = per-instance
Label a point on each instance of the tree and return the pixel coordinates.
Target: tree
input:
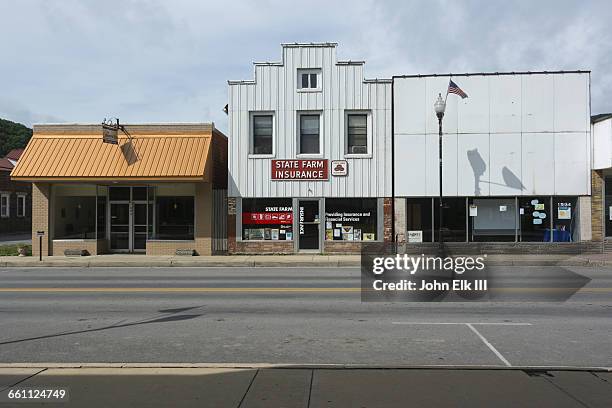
(12, 136)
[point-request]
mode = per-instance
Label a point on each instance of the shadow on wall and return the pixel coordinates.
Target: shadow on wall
(129, 152)
(479, 167)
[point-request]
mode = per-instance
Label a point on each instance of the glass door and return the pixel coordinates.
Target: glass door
(129, 219)
(120, 227)
(139, 226)
(309, 221)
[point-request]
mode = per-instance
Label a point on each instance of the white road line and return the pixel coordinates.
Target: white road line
(465, 323)
(489, 345)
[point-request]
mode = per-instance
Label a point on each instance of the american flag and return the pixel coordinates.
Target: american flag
(454, 88)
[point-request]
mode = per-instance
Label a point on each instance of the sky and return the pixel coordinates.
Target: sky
(169, 61)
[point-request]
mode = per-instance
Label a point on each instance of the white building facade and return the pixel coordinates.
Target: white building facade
(310, 155)
(517, 158)
(601, 129)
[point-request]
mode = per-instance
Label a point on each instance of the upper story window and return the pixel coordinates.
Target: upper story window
(309, 79)
(357, 133)
(21, 205)
(309, 133)
(262, 130)
(4, 205)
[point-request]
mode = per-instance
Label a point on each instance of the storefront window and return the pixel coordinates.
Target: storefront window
(174, 212)
(453, 226)
(418, 220)
(269, 219)
(492, 219)
(74, 212)
(564, 219)
(534, 213)
(353, 219)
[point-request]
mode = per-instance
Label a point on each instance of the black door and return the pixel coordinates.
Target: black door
(308, 218)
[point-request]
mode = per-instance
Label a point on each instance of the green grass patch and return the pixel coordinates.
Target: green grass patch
(11, 250)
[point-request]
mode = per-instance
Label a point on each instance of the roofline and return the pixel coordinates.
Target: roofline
(309, 44)
(466, 74)
(75, 128)
(600, 117)
(110, 179)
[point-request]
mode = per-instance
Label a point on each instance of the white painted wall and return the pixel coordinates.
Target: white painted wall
(518, 134)
(602, 144)
(274, 89)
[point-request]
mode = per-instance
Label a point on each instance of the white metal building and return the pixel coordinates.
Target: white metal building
(309, 154)
(516, 157)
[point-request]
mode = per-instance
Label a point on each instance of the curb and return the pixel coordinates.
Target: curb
(301, 366)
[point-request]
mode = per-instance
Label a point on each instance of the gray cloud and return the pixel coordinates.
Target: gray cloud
(169, 61)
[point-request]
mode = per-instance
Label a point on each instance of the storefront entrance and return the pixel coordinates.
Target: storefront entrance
(309, 221)
(128, 219)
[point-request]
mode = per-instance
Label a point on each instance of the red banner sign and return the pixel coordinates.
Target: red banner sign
(309, 169)
(281, 218)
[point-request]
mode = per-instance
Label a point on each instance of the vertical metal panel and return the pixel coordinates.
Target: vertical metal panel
(571, 166)
(505, 96)
(505, 162)
(411, 109)
(473, 111)
(275, 89)
(410, 165)
(538, 96)
(571, 103)
(538, 164)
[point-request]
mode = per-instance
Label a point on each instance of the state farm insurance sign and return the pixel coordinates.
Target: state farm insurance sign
(291, 170)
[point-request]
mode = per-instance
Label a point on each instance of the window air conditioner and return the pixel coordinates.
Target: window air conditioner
(359, 149)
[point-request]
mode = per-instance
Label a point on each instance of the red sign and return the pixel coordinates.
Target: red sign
(281, 218)
(309, 169)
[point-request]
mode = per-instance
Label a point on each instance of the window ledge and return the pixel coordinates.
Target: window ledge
(310, 156)
(261, 156)
(309, 90)
(170, 240)
(77, 239)
(358, 156)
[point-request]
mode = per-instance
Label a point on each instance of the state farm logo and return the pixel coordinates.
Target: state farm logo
(339, 167)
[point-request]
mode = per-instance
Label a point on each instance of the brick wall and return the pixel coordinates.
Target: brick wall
(40, 217)
(388, 220)
(13, 223)
(597, 228)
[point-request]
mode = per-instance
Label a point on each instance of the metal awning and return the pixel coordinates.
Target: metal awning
(153, 152)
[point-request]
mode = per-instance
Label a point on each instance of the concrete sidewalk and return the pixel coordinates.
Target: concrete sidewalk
(314, 387)
(121, 260)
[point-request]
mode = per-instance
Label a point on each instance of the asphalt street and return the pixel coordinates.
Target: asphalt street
(286, 316)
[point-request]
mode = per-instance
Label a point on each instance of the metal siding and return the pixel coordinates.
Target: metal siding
(517, 123)
(342, 88)
(81, 156)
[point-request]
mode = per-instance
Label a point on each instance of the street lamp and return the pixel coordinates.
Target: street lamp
(439, 107)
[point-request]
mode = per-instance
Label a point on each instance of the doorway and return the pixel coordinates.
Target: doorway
(309, 233)
(128, 219)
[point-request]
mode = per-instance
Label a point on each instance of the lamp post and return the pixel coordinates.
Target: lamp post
(439, 107)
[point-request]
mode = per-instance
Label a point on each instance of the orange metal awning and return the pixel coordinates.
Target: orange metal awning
(73, 155)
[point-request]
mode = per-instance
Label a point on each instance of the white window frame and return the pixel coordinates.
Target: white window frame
(369, 138)
(299, 134)
(22, 206)
(252, 114)
(309, 71)
(6, 195)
